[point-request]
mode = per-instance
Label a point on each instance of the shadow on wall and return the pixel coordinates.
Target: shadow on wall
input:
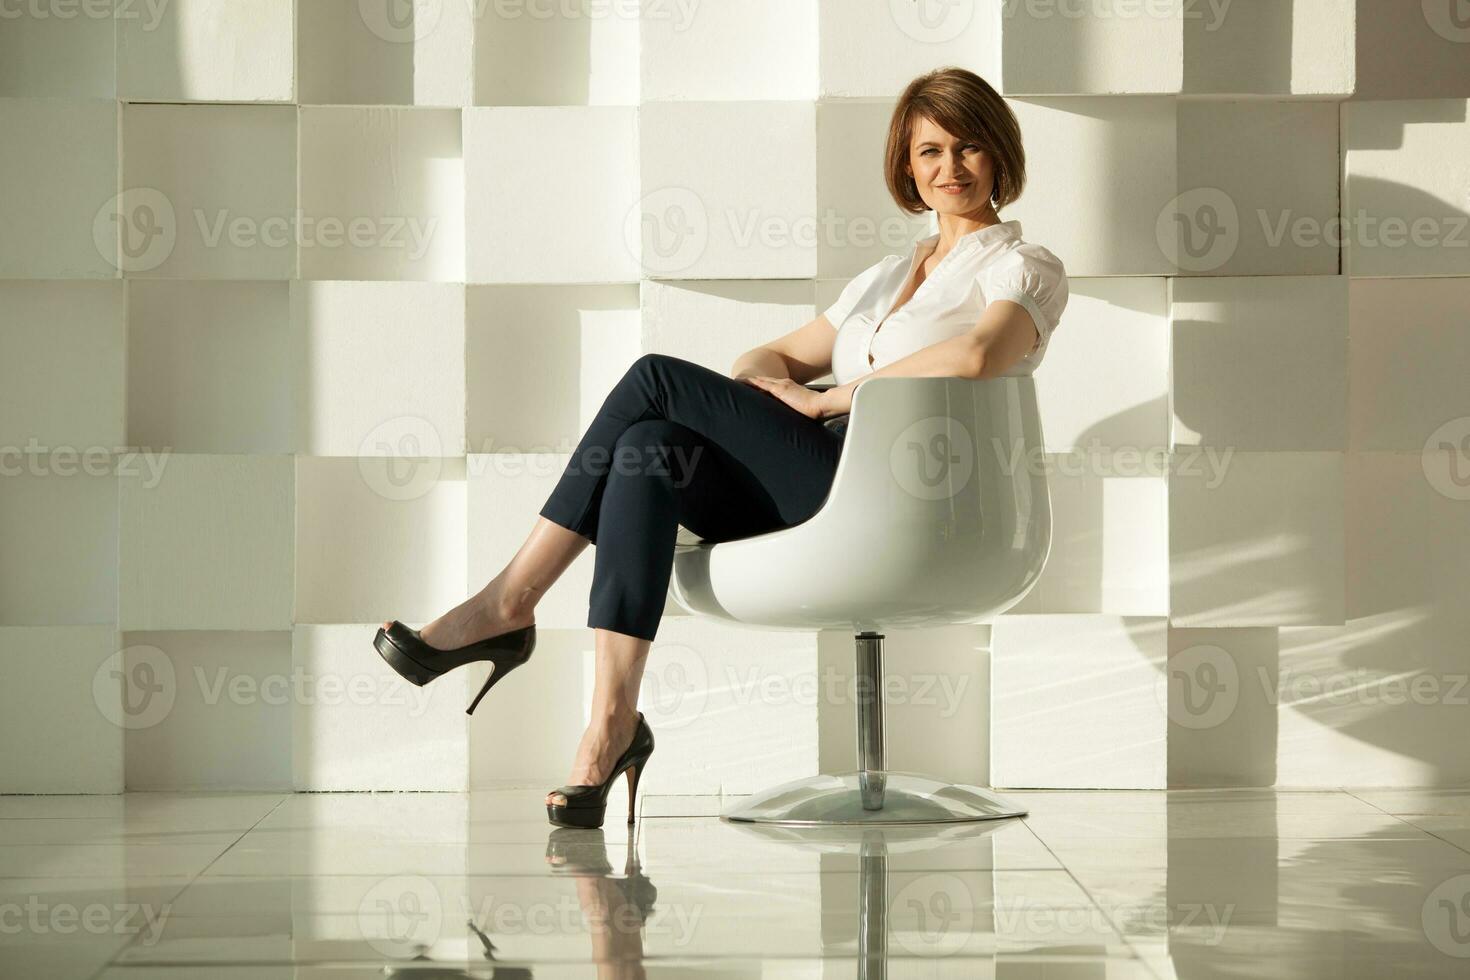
(1405, 624)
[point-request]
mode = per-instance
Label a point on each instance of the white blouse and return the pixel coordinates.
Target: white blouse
(983, 266)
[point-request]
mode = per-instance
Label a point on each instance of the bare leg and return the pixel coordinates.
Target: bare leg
(615, 927)
(620, 659)
(508, 601)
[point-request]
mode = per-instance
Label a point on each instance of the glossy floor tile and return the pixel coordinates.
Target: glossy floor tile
(1149, 885)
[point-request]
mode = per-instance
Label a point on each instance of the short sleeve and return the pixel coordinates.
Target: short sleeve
(1034, 278)
(853, 292)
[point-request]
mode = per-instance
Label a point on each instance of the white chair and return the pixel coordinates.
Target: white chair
(939, 514)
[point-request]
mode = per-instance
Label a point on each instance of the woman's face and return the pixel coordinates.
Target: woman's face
(953, 176)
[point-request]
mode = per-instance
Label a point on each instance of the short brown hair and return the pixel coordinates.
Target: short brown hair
(964, 105)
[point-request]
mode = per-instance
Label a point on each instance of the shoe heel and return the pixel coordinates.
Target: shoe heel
(634, 772)
(499, 667)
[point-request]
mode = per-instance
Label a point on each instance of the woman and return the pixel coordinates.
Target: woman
(728, 457)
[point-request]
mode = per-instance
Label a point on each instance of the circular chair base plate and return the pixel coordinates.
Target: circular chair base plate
(872, 798)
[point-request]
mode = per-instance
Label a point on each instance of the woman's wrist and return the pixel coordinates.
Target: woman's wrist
(836, 400)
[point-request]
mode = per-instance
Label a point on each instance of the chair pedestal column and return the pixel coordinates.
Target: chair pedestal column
(872, 793)
(869, 689)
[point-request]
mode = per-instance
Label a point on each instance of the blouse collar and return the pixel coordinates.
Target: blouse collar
(989, 233)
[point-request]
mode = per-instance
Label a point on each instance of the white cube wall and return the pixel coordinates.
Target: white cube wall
(369, 53)
(1110, 542)
(540, 360)
(1260, 363)
(379, 368)
(280, 320)
(500, 753)
(1222, 699)
(219, 182)
(1117, 334)
(703, 52)
(734, 703)
(206, 542)
(1409, 346)
(59, 57)
(1305, 47)
(224, 690)
(410, 567)
(1274, 166)
(1256, 538)
(712, 323)
(1048, 49)
(210, 366)
(419, 733)
(729, 190)
(1101, 171)
(874, 50)
(1382, 696)
(207, 51)
(1076, 702)
(586, 56)
(61, 365)
(1404, 202)
(399, 214)
(59, 522)
(62, 710)
(580, 167)
(1413, 51)
(58, 171)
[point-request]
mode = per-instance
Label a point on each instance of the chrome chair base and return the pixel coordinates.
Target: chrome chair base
(876, 798)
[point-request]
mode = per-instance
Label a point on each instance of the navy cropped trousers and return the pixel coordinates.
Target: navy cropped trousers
(678, 443)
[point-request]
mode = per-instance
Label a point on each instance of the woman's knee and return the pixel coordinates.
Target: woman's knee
(649, 436)
(663, 365)
(656, 447)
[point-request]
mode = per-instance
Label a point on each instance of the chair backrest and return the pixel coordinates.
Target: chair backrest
(939, 513)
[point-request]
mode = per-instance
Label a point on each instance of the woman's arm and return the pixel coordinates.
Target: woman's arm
(801, 355)
(1002, 336)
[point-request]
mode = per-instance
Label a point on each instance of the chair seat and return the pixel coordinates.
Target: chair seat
(938, 514)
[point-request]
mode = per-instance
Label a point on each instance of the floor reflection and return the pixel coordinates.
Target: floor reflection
(1088, 886)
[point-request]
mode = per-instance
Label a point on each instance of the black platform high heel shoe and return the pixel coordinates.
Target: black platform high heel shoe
(586, 805)
(418, 662)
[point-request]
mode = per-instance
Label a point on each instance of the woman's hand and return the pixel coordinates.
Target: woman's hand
(798, 396)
